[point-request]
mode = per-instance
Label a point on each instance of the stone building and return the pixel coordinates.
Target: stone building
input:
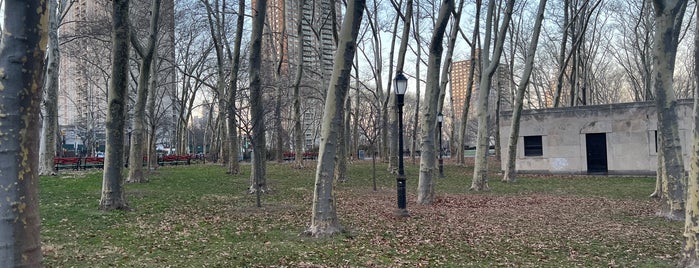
(608, 139)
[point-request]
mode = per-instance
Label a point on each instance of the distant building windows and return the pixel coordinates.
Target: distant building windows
(533, 146)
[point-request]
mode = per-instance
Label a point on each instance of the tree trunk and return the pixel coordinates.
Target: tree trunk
(668, 16)
(510, 171)
(393, 120)
(24, 37)
(256, 103)
(139, 114)
(425, 190)
(234, 148)
(113, 196)
(50, 120)
(152, 123)
(418, 62)
(469, 88)
(324, 220)
(690, 258)
(480, 170)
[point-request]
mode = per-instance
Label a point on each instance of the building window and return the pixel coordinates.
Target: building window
(533, 146)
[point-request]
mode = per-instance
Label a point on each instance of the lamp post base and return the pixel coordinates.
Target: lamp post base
(441, 168)
(401, 213)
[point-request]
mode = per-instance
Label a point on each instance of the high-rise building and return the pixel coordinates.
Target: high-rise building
(86, 67)
(459, 88)
(316, 45)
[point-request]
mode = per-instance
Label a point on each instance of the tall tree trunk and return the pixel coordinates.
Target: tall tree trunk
(259, 182)
(425, 190)
(139, 114)
(50, 119)
(418, 62)
(113, 196)
(480, 170)
(510, 171)
(668, 17)
(324, 220)
(152, 123)
(234, 148)
(24, 37)
(393, 120)
(298, 128)
(690, 258)
(469, 86)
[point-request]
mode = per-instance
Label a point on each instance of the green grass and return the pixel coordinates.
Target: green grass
(197, 216)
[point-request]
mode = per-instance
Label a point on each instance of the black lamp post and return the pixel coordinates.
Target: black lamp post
(440, 119)
(400, 85)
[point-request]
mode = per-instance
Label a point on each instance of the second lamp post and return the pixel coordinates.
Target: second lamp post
(440, 119)
(401, 85)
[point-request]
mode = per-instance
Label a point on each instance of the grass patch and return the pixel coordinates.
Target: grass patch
(194, 216)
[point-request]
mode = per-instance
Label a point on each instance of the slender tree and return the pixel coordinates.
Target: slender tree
(232, 125)
(469, 86)
(259, 182)
(24, 36)
(113, 196)
(298, 130)
(690, 258)
(139, 116)
(480, 170)
(510, 171)
(324, 220)
(425, 189)
(668, 17)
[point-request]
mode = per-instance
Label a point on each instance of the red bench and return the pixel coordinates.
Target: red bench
(175, 160)
(66, 163)
(93, 162)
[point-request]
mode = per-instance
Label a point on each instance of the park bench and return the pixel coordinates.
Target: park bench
(66, 163)
(175, 160)
(93, 162)
(288, 156)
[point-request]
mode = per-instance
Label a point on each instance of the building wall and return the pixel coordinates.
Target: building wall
(630, 130)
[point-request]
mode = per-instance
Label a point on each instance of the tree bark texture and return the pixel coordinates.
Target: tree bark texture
(469, 87)
(139, 113)
(298, 128)
(22, 49)
(510, 170)
(50, 119)
(113, 196)
(668, 17)
(690, 258)
(256, 102)
(324, 220)
(425, 190)
(232, 124)
(480, 170)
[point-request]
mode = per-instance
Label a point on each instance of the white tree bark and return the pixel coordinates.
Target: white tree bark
(690, 258)
(480, 170)
(24, 36)
(50, 118)
(425, 189)
(139, 115)
(324, 220)
(668, 17)
(510, 171)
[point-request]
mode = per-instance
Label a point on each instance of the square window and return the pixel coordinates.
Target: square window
(533, 146)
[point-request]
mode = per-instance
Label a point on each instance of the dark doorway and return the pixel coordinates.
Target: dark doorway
(596, 152)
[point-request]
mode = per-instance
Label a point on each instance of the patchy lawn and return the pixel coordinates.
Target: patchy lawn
(199, 216)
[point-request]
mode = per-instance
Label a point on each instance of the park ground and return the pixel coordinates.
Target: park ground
(198, 216)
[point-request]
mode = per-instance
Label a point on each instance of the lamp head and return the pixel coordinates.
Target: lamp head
(400, 83)
(440, 117)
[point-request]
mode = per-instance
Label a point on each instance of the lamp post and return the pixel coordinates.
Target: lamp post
(440, 119)
(400, 85)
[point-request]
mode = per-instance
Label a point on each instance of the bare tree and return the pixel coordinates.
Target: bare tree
(259, 163)
(113, 196)
(57, 11)
(234, 149)
(324, 220)
(139, 115)
(23, 37)
(425, 190)
(480, 170)
(668, 18)
(510, 171)
(473, 67)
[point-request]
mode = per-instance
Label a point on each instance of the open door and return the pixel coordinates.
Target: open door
(596, 144)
